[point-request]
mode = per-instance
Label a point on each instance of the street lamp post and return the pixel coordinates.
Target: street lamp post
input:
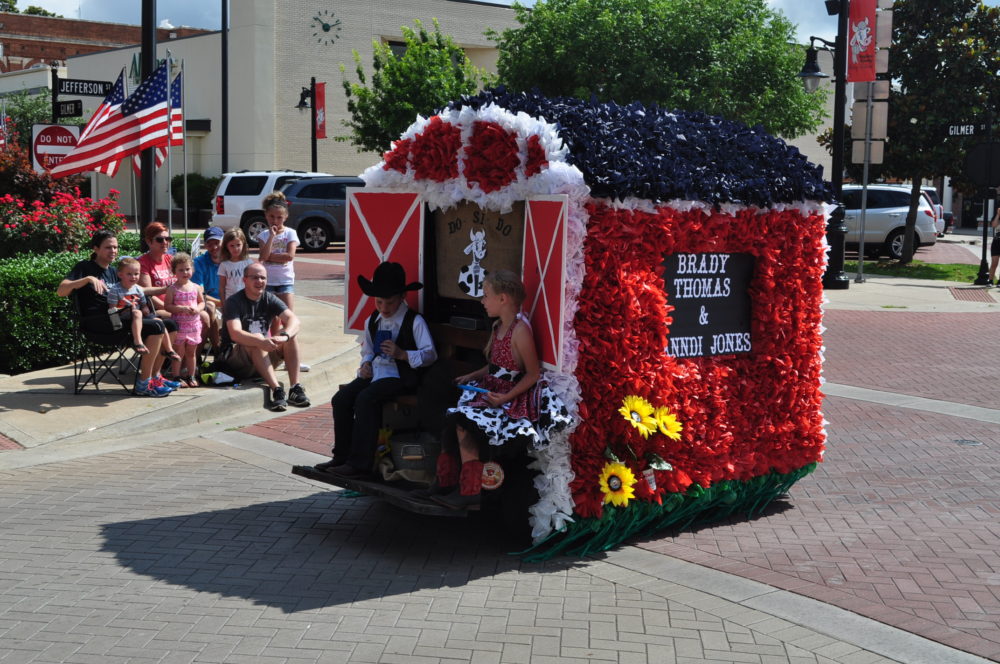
(835, 277)
(307, 99)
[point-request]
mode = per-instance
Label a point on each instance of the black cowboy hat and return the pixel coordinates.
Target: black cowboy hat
(389, 279)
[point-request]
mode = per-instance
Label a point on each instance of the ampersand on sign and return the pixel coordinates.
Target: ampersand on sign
(703, 317)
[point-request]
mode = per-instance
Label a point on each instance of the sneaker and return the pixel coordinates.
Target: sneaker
(304, 368)
(297, 396)
(166, 382)
(145, 388)
(160, 381)
(278, 403)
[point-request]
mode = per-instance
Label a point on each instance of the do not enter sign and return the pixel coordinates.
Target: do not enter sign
(51, 143)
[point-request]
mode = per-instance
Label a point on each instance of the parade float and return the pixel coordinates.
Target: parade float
(673, 263)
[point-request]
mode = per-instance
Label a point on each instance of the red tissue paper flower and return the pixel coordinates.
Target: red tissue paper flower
(396, 158)
(434, 152)
(536, 156)
(491, 156)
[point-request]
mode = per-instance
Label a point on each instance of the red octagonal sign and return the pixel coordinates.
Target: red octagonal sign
(51, 143)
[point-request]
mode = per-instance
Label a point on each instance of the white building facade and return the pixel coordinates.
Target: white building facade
(274, 50)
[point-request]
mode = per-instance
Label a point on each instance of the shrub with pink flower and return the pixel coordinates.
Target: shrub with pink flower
(66, 223)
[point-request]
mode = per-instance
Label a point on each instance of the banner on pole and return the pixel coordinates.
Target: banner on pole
(861, 47)
(320, 102)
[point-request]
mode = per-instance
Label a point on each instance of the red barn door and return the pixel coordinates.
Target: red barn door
(381, 226)
(544, 273)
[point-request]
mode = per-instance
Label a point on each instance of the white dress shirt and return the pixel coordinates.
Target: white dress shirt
(385, 367)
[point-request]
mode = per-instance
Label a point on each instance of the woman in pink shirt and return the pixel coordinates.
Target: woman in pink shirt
(154, 265)
(155, 271)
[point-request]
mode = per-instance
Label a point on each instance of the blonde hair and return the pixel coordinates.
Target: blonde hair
(275, 199)
(505, 282)
(180, 258)
(127, 261)
(235, 234)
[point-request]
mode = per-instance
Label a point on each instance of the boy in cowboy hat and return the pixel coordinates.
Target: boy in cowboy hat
(396, 343)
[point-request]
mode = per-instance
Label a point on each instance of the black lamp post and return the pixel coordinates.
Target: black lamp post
(307, 99)
(835, 277)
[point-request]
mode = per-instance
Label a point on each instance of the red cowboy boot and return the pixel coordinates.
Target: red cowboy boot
(470, 486)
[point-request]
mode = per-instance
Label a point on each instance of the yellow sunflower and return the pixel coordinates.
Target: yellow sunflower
(639, 413)
(616, 484)
(668, 423)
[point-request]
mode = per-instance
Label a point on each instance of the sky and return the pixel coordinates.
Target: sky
(809, 15)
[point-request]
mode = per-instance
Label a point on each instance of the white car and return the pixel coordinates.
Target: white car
(938, 208)
(885, 219)
(239, 196)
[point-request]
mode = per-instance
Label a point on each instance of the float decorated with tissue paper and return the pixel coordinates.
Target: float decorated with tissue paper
(673, 265)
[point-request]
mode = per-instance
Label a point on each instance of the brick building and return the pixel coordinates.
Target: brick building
(27, 41)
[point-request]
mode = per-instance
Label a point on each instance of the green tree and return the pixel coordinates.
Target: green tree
(24, 110)
(8, 6)
(35, 10)
(733, 58)
(944, 62)
(431, 72)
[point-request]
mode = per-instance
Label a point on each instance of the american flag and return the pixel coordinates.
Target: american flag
(121, 127)
(176, 128)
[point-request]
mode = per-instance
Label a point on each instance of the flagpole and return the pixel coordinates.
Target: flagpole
(184, 149)
(170, 135)
(131, 175)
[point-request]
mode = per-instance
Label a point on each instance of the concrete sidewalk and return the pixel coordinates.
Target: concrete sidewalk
(39, 408)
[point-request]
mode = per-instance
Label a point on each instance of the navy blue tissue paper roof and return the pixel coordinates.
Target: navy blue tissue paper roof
(660, 155)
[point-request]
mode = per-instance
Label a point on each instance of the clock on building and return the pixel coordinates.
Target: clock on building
(326, 26)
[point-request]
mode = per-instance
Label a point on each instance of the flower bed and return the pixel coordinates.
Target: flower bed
(65, 224)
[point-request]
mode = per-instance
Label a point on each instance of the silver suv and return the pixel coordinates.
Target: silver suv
(239, 196)
(316, 209)
(885, 219)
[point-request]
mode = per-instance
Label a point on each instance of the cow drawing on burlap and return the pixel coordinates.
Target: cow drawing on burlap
(470, 277)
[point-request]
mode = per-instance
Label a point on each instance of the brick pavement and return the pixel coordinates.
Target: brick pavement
(907, 535)
(938, 356)
(215, 558)
(947, 252)
(899, 524)
(8, 444)
(308, 429)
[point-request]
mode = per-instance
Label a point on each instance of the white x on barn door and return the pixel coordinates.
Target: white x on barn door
(544, 273)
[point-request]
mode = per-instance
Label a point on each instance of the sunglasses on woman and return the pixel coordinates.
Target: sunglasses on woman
(164, 238)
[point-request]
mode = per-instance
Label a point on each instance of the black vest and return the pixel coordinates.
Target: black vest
(405, 340)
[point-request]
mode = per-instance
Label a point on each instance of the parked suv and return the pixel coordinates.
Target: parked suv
(316, 209)
(885, 219)
(239, 195)
(939, 222)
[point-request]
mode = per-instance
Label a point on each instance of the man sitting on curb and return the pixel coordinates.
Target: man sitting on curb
(249, 314)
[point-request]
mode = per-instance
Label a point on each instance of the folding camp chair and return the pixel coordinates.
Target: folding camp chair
(98, 357)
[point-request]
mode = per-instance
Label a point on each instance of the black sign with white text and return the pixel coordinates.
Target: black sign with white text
(711, 304)
(69, 109)
(84, 88)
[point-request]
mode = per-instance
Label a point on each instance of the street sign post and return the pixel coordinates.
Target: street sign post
(51, 143)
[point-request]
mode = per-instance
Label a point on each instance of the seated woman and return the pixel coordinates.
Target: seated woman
(88, 281)
(156, 271)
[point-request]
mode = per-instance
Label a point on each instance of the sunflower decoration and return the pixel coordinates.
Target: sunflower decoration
(668, 423)
(617, 484)
(639, 414)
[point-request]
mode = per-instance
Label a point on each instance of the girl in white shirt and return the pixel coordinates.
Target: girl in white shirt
(235, 258)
